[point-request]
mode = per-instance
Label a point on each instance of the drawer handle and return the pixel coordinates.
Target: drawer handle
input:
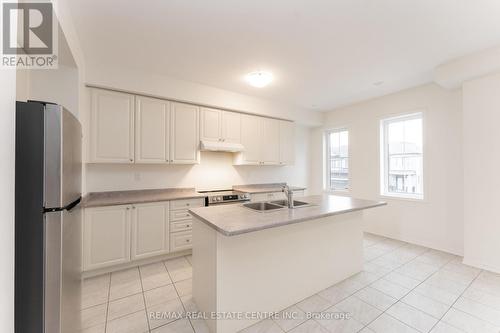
(188, 240)
(188, 225)
(188, 215)
(187, 204)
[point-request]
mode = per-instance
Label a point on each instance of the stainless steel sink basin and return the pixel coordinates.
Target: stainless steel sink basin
(296, 203)
(262, 206)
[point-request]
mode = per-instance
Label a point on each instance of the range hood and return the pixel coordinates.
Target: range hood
(206, 145)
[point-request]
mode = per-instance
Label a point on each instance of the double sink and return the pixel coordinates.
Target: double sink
(274, 205)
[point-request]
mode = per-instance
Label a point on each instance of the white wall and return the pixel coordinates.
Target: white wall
(436, 222)
(214, 172)
(7, 165)
(58, 86)
(481, 117)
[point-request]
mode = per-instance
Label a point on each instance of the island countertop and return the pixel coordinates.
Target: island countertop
(231, 220)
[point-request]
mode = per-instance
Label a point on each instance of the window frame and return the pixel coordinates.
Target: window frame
(328, 162)
(384, 157)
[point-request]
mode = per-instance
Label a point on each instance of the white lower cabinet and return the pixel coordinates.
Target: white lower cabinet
(181, 223)
(182, 240)
(116, 235)
(150, 230)
(106, 236)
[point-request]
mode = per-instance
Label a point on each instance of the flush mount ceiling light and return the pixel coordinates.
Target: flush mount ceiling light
(259, 79)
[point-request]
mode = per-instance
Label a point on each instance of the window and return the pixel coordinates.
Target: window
(402, 156)
(337, 160)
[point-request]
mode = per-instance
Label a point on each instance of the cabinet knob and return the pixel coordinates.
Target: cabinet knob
(128, 208)
(187, 215)
(131, 160)
(188, 240)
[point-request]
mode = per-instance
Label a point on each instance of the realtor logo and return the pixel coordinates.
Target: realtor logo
(29, 35)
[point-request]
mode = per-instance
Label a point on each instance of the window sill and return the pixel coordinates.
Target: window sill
(389, 196)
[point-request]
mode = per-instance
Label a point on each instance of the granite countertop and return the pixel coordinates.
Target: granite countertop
(231, 220)
(264, 188)
(97, 199)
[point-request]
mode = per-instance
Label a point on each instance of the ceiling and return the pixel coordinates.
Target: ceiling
(323, 54)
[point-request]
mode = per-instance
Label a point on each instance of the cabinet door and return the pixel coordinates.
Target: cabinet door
(112, 127)
(270, 141)
(287, 142)
(251, 140)
(152, 132)
(184, 139)
(210, 124)
(106, 236)
(150, 230)
(231, 126)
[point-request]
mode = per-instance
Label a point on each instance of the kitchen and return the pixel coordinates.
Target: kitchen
(264, 188)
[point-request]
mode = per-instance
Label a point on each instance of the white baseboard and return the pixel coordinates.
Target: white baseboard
(480, 265)
(417, 242)
(134, 263)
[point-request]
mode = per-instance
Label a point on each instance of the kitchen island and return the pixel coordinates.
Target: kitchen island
(249, 263)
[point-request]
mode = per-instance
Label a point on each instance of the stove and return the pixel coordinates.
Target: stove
(219, 197)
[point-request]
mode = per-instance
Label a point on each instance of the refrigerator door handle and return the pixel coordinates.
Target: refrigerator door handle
(67, 207)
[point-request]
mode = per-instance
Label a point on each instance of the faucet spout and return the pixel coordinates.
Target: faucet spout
(289, 195)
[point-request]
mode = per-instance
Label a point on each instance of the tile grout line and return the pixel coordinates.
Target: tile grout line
(440, 268)
(369, 261)
(380, 278)
(182, 303)
(144, 298)
(399, 300)
(178, 296)
(107, 305)
(451, 306)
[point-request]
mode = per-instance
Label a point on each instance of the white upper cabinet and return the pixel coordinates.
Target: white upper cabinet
(231, 127)
(261, 138)
(125, 128)
(287, 142)
(150, 230)
(270, 141)
(251, 140)
(111, 127)
(210, 124)
(217, 125)
(152, 130)
(184, 140)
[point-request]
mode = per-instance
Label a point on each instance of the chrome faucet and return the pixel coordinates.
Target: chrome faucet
(289, 195)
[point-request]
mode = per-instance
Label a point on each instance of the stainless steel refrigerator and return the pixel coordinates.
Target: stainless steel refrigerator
(48, 219)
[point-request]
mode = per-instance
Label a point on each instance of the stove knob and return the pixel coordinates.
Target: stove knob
(218, 198)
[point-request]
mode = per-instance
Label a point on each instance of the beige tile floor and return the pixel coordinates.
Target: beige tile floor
(403, 288)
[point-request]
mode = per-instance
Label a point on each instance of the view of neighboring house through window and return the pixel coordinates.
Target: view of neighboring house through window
(337, 142)
(402, 156)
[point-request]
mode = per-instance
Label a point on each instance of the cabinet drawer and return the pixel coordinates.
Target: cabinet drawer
(181, 226)
(187, 203)
(181, 214)
(180, 241)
